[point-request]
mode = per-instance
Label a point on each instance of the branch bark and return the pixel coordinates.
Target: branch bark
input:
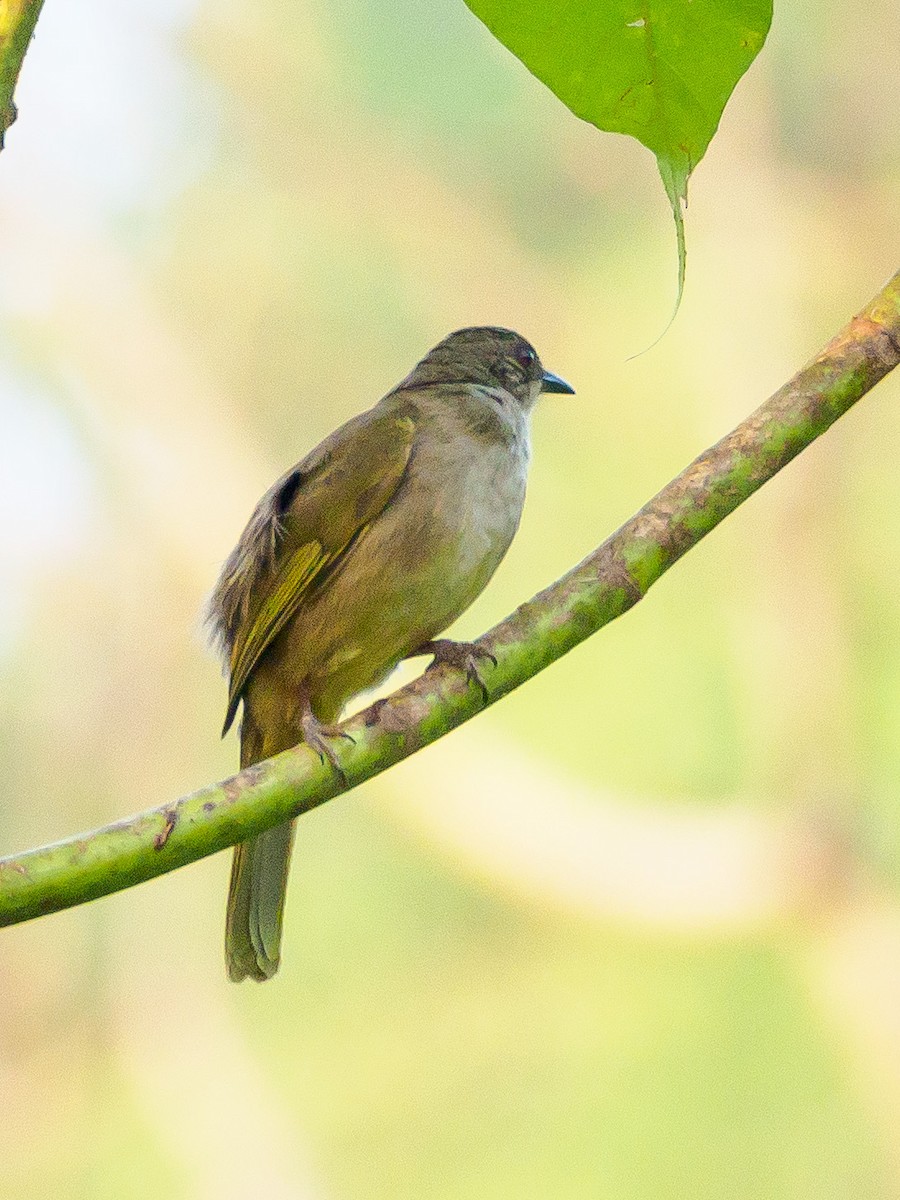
(605, 585)
(17, 21)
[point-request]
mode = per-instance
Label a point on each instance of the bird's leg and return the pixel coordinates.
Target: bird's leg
(465, 656)
(316, 733)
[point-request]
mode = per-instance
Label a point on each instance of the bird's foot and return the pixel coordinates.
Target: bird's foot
(316, 736)
(465, 656)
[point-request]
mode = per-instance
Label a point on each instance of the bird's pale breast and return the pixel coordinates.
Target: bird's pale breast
(413, 570)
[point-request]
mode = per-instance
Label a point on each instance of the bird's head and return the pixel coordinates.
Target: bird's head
(489, 357)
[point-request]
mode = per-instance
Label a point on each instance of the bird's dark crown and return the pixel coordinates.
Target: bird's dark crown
(483, 354)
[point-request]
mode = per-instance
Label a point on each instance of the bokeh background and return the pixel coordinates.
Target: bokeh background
(635, 932)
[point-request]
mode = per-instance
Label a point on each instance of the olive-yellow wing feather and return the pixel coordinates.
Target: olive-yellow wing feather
(302, 527)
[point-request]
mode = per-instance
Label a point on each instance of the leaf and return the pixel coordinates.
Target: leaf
(17, 22)
(659, 70)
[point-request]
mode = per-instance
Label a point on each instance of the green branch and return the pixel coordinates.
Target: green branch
(604, 586)
(17, 21)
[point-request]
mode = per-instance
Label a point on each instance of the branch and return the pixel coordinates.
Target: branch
(609, 582)
(17, 21)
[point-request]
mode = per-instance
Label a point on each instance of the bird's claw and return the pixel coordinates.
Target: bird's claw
(316, 737)
(464, 656)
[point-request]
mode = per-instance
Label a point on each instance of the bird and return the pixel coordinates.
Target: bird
(357, 558)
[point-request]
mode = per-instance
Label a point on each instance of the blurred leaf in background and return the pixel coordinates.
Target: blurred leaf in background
(636, 931)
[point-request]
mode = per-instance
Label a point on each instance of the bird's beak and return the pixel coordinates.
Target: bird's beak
(553, 383)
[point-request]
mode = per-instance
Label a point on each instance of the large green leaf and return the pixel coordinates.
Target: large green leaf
(660, 70)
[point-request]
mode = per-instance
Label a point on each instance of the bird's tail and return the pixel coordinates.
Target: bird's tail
(256, 894)
(259, 872)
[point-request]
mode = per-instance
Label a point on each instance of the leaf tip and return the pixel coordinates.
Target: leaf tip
(675, 181)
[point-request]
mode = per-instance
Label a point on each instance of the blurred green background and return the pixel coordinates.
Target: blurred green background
(632, 934)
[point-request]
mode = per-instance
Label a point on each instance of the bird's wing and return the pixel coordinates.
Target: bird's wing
(303, 527)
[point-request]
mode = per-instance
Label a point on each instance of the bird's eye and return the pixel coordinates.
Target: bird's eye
(526, 356)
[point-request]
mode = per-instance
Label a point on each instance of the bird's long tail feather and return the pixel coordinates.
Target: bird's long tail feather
(256, 895)
(259, 872)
